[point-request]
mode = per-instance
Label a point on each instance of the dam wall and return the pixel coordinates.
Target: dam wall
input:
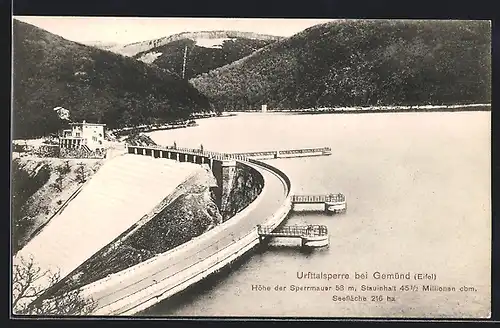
(203, 267)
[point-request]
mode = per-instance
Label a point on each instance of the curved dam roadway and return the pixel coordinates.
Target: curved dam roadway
(111, 297)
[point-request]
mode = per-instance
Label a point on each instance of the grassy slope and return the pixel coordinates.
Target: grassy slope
(200, 59)
(93, 84)
(360, 63)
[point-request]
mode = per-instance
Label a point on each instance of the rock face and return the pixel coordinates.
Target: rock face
(191, 214)
(27, 178)
(246, 184)
(139, 139)
(40, 186)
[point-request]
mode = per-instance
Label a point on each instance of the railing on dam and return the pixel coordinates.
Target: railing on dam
(240, 156)
(193, 151)
(280, 173)
(222, 156)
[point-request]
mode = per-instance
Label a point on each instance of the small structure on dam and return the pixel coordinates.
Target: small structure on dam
(310, 235)
(333, 203)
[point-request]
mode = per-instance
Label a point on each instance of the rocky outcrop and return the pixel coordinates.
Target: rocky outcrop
(81, 153)
(27, 178)
(139, 139)
(246, 184)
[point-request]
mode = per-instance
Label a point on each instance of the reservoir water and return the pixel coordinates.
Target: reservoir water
(418, 193)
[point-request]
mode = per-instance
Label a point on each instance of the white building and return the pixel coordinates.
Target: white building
(83, 135)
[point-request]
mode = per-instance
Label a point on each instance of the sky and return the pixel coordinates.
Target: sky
(125, 30)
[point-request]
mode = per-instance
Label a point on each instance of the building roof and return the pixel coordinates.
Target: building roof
(85, 123)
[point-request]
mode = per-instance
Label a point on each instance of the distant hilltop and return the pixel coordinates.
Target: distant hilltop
(134, 48)
(102, 44)
(359, 63)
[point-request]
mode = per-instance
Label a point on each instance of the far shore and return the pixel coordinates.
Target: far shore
(123, 132)
(377, 109)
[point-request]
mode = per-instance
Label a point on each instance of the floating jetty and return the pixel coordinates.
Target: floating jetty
(310, 235)
(333, 203)
(271, 154)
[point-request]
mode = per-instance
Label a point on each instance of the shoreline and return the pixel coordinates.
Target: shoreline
(123, 132)
(326, 110)
(378, 111)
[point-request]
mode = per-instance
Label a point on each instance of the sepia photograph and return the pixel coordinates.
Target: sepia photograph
(169, 167)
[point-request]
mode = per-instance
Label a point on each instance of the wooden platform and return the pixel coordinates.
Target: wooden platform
(294, 231)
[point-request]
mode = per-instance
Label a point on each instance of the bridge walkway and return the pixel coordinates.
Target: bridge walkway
(318, 199)
(268, 154)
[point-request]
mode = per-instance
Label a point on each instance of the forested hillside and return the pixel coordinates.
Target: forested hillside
(93, 84)
(360, 63)
(200, 59)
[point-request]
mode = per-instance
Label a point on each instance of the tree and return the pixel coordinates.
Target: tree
(62, 170)
(27, 293)
(80, 173)
(58, 185)
(65, 169)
